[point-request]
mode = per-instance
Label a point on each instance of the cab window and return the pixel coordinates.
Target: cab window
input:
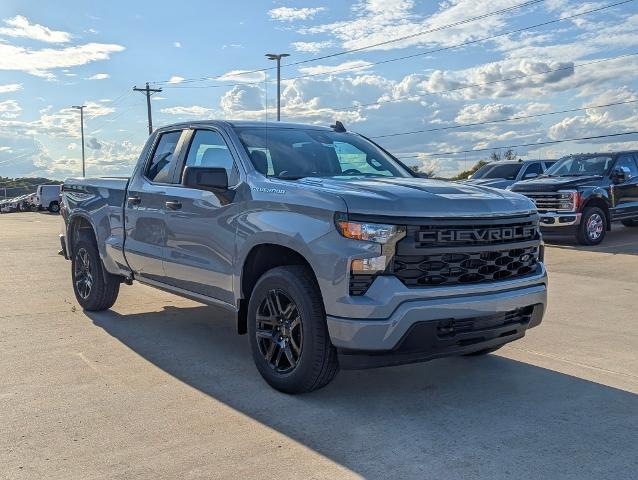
(161, 165)
(628, 160)
(209, 149)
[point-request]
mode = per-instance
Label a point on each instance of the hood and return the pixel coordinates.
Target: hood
(418, 197)
(490, 182)
(553, 184)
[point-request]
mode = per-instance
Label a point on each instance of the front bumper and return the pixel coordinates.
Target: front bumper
(422, 329)
(559, 219)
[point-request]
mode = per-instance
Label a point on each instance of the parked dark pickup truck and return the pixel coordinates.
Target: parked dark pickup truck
(584, 194)
(323, 247)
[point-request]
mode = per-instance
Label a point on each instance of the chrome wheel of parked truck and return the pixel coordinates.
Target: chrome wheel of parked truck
(323, 247)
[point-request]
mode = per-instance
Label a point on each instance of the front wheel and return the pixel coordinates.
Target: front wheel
(287, 331)
(632, 222)
(95, 289)
(593, 226)
(54, 207)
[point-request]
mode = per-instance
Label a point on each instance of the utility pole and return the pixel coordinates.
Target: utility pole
(148, 91)
(278, 57)
(81, 109)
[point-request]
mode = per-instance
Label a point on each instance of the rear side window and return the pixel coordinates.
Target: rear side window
(161, 165)
(208, 149)
(628, 161)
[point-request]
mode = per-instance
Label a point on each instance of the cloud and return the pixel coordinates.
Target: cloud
(242, 76)
(10, 87)
(20, 26)
(177, 44)
(93, 144)
(176, 79)
(288, 14)
(10, 109)
(357, 65)
(41, 62)
(243, 101)
(192, 111)
(311, 47)
(99, 76)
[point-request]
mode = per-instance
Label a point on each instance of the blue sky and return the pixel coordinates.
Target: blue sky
(90, 53)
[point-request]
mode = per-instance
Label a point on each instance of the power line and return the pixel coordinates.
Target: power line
(458, 45)
(424, 32)
(482, 84)
(367, 47)
(502, 120)
(549, 142)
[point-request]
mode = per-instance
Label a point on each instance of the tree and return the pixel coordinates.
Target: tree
(429, 170)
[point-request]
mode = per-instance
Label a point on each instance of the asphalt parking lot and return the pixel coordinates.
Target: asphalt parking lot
(161, 387)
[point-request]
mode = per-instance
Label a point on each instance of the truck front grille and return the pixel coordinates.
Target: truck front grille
(445, 252)
(550, 201)
(456, 268)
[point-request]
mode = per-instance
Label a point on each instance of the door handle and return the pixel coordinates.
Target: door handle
(173, 205)
(135, 200)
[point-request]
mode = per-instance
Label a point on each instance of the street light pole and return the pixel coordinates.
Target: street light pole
(278, 57)
(81, 109)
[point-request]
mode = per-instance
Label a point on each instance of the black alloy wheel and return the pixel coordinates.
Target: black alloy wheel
(83, 273)
(279, 332)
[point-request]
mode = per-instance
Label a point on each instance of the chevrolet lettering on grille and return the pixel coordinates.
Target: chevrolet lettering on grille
(477, 235)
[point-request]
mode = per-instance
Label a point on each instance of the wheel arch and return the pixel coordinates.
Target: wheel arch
(80, 227)
(261, 258)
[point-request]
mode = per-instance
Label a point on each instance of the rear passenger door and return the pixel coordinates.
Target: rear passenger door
(200, 238)
(625, 195)
(145, 207)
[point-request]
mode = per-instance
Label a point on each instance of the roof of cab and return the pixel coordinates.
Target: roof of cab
(248, 124)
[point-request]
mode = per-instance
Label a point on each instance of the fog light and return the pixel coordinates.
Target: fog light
(368, 265)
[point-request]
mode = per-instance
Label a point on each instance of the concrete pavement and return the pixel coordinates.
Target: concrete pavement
(161, 387)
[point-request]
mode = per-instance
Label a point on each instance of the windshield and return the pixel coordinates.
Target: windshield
(508, 171)
(482, 171)
(580, 166)
(295, 153)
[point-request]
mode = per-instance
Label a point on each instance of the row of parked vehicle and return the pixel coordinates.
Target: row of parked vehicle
(46, 197)
(580, 194)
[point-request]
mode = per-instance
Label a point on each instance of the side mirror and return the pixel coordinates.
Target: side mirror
(530, 175)
(423, 175)
(620, 174)
(205, 178)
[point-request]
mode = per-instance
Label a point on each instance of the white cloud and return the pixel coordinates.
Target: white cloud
(311, 47)
(288, 14)
(176, 79)
(192, 111)
(41, 62)
(10, 109)
(10, 87)
(177, 44)
(357, 65)
(20, 26)
(99, 76)
(242, 76)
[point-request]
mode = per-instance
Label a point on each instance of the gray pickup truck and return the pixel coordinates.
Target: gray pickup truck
(324, 248)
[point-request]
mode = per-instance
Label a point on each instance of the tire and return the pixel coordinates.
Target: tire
(632, 222)
(290, 346)
(95, 289)
(485, 351)
(593, 227)
(54, 207)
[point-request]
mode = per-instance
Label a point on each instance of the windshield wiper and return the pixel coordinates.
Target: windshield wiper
(288, 177)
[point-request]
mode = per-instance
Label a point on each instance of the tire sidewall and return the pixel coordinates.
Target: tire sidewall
(96, 271)
(282, 279)
(583, 235)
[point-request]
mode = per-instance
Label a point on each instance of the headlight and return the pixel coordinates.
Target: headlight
(568, 200)
(371, 232)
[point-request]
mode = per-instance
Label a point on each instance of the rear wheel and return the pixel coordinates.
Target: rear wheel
(95, 289)
(633, 222)
(287, 331)
(54, 207)
(593, 226)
